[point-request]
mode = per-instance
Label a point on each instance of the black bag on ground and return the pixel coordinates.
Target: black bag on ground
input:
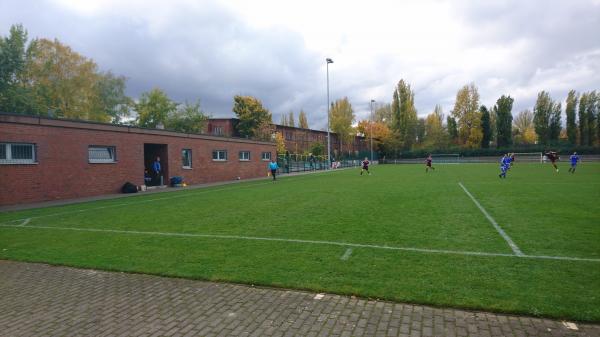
(129, 188)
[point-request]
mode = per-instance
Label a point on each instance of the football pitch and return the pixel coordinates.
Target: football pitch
(456, 237)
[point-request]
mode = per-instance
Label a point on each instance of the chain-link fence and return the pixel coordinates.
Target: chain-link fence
(293, 163)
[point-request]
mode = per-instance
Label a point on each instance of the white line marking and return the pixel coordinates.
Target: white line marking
(25, 222)
(319, 242)
(191, 193)
(499, 229)
(346, 254)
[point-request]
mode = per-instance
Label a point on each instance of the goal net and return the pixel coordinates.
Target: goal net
(446, 158)
(529, 157)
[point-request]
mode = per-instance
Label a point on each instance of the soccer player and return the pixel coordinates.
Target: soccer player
(428, 164)
(365, 166)
(553, 157)
(512, 159)
(504, 165)
(574, 159)
(273, 167)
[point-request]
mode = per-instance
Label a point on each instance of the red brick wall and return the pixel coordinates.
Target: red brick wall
(63, 170)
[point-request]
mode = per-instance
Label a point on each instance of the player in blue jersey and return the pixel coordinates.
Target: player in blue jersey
(504, 165)
(574, 160)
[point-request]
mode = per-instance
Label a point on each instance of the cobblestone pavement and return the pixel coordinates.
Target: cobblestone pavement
(42, 300)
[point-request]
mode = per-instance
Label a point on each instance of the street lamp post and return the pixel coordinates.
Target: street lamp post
(371, 124)
(328, 60)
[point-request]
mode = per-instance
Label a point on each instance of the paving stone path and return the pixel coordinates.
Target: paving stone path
(42, 300)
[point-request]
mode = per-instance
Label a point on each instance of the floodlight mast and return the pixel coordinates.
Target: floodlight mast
(328, 60)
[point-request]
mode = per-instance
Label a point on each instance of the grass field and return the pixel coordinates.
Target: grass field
(399, 234)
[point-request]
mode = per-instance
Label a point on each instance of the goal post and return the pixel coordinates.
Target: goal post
(537, 157)
(446, 158)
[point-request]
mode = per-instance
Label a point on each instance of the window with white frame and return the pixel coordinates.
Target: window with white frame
(244, 155)
(186, 158)
(219, 155)
(218, 130)
(266, 156)
(17, 153)
(102, 154)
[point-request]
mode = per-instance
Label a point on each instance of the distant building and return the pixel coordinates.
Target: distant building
(297, 140)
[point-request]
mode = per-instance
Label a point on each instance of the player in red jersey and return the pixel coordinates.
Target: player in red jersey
(365, 166)
(553, 157)
(428, 164)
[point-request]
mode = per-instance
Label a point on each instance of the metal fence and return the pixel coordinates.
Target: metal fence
(492, 159)
(302, 163)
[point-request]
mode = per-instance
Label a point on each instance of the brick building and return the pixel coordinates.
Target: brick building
(297, 140)
(47, 159)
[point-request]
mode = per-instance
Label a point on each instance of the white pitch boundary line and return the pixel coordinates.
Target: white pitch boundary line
(499, 229)
(346, 255)
(319, 242)
(25, 222)
(192, 193)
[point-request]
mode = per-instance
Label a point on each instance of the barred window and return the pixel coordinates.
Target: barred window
(102, 154)
(17, 153)
(219, 155)
(186, 158)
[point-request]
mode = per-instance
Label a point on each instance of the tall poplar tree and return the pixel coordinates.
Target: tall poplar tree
(503, 110)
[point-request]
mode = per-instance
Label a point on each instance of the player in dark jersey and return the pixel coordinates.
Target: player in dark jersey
(428, 164)
(365, 166)
(512, 159)
(553, 157)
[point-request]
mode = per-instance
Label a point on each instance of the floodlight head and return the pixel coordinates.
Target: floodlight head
(372, 101)
(329, 60)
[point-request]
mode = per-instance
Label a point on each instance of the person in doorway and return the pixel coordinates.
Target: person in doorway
(147, 178)
(157, 170)
(273, 167)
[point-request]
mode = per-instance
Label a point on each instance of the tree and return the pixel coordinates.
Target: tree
(16, 94)
(64, 82)
(523, 128)
(583, 120)
(284, 121)
(555, 123)
(254, 119)
(341, 118)
(570, 111)
(435, 135)
(452, 129)
(420, 131)
(154, 108)
(280, 141)
(466, 112)
(110, 97)
(379, 131)
(503, 111)
(542, 115)
(404, 115)
(302, 121)
(485, 127)
(592, 115)
(383, 113)
(291, 120)
(317, 148)
(187, 118)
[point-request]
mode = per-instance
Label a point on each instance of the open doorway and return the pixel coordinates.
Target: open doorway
(152, 152)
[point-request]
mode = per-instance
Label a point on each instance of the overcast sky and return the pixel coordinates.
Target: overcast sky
(276, 50)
